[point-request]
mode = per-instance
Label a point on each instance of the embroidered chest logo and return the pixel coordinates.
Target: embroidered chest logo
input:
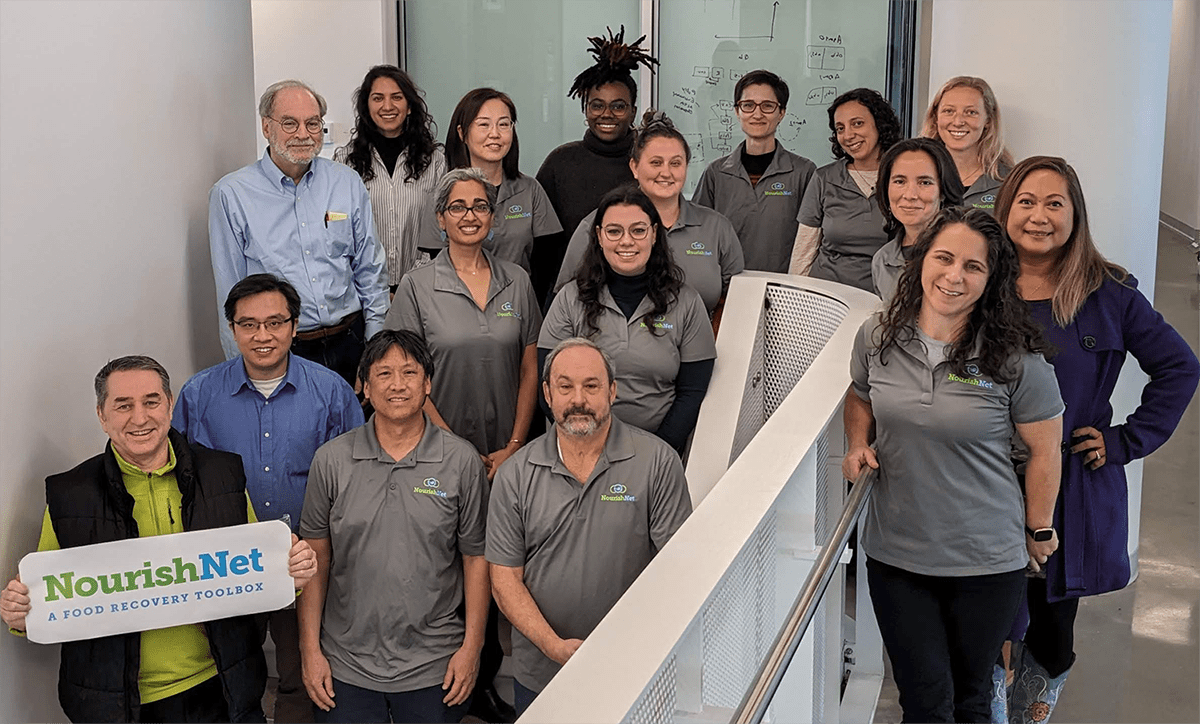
(506, 310)
(777, 189)
(974, 379)
(517, 212)
(430, 486)
(660, 322)
(618, 494)
(697, 249)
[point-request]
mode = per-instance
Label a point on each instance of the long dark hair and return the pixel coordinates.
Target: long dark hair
(416, 135)
(1000, 321)
(950, 190)
(663, 276)
(457, 153)
(886, 122)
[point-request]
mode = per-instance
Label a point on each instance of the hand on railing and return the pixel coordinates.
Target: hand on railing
(855, 459)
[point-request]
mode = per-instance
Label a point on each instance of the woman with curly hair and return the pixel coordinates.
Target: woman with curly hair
(483, 135)
(919, 180)
(703, 242)
(577, 174)
(1094, 315)
(965, 117)
(394, 151)
(940, 382)
(629, 298)
(841, 226)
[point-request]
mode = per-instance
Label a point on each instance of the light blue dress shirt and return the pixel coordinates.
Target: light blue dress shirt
(277, 437)
(319, 235)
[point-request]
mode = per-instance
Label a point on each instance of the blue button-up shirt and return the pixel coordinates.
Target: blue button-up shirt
(277, 437)
(319, 235)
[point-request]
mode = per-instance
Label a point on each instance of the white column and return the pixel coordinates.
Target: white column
(117, 118)
(1086, 81)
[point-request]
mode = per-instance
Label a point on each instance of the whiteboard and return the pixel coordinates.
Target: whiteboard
(822, 48)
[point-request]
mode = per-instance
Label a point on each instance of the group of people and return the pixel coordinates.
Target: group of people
(459, 296)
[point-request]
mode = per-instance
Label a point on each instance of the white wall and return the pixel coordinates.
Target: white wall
(1088, 82)
(116, 121)
(329, 44)
(1181, 152)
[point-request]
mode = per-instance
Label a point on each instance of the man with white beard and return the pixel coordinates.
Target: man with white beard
(576, 515)
(305, 219)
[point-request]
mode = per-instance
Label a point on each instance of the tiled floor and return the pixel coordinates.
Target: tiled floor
(1138, 658)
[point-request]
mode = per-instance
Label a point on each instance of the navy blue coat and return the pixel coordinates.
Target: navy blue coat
(1092, 511)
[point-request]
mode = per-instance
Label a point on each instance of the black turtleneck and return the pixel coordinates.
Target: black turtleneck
(389, 150)
(628, 292)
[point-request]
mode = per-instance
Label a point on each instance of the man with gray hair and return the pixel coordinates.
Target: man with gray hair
(576, 515)
(151, 481)
(305, 219)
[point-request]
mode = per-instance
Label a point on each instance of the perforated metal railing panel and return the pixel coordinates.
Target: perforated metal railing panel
(657, 704)
(737, 622)
(750, 415)
(798, 323)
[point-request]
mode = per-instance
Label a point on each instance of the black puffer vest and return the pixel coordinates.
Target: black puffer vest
(98, 678)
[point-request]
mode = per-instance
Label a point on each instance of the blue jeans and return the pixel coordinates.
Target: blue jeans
(356, 704)
(522, 697)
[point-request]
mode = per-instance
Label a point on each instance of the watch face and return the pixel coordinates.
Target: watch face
(1042, 536)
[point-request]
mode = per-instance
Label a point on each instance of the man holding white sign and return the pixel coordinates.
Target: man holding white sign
(149, 481)
(395, 511)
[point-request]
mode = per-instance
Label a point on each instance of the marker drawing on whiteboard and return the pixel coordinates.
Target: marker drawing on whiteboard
(770, 36)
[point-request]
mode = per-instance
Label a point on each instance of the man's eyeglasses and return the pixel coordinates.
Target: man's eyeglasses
(614, 233)
(272, 325)
(291, 125)
(457, 211)
(768, 107)
(617, 108)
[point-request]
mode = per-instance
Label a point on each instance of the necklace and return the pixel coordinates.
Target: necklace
(863, 180)
(1033, 294)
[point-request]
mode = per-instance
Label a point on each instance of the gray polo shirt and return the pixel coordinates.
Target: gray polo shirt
(646, 363)
(523, 211)
(851, 226)
(983, 193)
(886, 267)
(398, 531)
(763, 215)
(476, 352)
(583, 545)
(703, 242)
(947, 502)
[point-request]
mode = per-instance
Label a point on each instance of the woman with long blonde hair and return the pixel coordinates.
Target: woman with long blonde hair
(965, 117)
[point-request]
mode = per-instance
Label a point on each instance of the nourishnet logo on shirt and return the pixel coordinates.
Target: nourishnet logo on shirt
(430, 486)
(697, 250)
(517, 212)
(974, 380)
(618, 495)
(777, 189)
(506, 310)
(660, 322)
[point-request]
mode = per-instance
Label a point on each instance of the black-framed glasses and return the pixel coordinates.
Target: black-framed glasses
(457, 211)
(291, 125)
(768, 107)
(615, 232)
(272, 325)
(597, 107)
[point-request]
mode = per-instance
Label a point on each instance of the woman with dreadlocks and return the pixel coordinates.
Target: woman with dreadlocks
(577, 174)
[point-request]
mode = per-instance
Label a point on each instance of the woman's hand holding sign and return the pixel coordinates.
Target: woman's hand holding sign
(14, 604)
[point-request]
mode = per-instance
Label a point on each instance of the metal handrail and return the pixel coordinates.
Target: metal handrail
(758, 698)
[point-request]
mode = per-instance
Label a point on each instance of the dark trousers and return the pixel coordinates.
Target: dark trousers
(356, 704)
(292, 705)
(492, 654)
(522, 697)
(1051, 633)
(204, 702)
(340, 353)
(943, 634)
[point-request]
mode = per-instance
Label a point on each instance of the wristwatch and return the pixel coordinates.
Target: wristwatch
(1041, 535)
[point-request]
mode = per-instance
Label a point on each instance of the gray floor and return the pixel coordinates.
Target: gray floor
(1138, 654)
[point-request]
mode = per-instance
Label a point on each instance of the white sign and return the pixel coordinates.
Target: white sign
(149, 583)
